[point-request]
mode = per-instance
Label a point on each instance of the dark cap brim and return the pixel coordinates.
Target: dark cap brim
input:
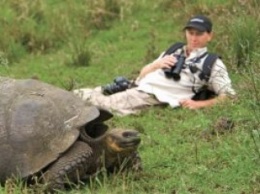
(196, 26)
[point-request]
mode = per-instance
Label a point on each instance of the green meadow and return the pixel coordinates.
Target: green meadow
(80, 43)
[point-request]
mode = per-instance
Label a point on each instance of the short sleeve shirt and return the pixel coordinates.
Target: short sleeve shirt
(168, 90)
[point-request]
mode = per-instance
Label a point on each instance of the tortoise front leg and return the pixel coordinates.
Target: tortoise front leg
(133, 162)
(70, 168)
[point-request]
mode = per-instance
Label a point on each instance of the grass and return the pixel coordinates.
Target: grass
(180, 153)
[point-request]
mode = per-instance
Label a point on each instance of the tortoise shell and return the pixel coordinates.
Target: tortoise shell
(38, 122)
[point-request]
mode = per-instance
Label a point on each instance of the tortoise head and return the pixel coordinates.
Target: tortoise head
(114, 141)
(120, 146)
(122, 141)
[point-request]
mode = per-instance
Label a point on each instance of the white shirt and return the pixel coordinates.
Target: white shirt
(167, 90)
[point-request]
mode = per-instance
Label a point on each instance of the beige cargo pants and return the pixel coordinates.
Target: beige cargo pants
(123, 103)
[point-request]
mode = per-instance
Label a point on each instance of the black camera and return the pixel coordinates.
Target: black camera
(174, 71)
(120, 84)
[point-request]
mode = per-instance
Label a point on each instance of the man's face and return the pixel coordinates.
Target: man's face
(197, 39)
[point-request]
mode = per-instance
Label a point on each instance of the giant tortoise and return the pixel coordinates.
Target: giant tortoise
(49, 133)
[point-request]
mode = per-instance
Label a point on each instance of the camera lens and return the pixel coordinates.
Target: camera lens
(110, 89)
(120, 84)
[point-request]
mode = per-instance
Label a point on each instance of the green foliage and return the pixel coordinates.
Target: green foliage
(81, 43)
(151, 50)
(81, 54)
(3, 60)
(244, 33)
(102, 12)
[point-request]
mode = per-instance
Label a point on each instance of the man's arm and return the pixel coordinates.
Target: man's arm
(166, 61)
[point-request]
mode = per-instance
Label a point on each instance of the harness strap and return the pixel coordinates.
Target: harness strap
(207, 66)
(173, 48)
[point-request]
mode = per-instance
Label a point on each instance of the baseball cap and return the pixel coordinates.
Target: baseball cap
(200, 22)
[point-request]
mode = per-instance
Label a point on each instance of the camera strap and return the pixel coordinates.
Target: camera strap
(194, 68)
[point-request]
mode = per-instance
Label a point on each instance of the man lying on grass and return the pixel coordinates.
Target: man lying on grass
(176, 77)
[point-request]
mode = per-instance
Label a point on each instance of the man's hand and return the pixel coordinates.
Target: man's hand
(191, 104)
(194, 104)
(166, 62)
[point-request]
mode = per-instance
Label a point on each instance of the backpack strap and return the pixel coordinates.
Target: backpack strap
(207, 66)
(173, 48)
(204, 93)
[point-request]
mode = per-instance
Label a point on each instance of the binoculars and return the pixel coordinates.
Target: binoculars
(174, 71)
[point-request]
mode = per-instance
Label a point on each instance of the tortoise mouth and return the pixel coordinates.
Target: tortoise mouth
(131, 138)
(127, 140)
